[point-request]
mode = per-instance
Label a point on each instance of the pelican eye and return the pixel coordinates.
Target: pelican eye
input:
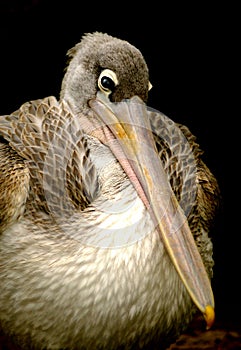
(107, 81)
(107, 84)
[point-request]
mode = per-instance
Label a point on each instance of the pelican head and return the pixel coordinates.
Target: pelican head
(104, 64)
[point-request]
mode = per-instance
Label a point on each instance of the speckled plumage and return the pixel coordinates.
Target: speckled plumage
(73, 275)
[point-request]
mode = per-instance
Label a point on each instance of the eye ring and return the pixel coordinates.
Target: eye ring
(107, 81)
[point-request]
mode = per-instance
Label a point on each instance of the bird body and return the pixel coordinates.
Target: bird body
(82, 262)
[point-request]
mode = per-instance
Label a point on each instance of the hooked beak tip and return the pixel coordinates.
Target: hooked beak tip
(209, 316)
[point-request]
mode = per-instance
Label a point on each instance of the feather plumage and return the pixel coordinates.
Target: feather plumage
(78, 267)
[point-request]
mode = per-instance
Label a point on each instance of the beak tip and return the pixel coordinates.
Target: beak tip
(209, 316)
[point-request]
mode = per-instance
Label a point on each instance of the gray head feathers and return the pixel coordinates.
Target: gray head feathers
(92, 55)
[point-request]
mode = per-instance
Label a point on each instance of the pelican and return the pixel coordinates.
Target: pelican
(105, 212)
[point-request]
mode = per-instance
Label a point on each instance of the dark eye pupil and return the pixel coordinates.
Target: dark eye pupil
(107, 83)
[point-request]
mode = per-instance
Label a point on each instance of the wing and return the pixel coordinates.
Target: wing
(48, 142)
(14, 185)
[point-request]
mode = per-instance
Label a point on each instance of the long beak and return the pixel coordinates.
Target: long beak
(136, 152)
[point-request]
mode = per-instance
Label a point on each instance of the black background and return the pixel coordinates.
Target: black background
(187, 50)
